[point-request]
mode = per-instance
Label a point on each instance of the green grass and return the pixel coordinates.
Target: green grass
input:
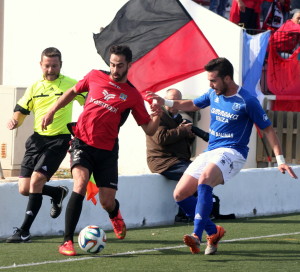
(243, 248)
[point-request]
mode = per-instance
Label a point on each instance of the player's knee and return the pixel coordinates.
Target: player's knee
(36, 185)
(182, 193)
(24, 191)
(177, 196)
(23, 185)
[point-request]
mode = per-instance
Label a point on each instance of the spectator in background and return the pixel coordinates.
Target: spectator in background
(218, 6)
(274, 13)
(169, 149)
(295, 4)
(287, 38)
(246, 13)
(284, 5)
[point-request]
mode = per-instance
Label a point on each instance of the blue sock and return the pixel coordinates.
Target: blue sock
(210, 227)
(188, 206)
(203, 210)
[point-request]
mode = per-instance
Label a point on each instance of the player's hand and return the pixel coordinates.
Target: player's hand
(186, 125)
(12, 124)
(156, 112)
(188, 128)
(285, 168)
(156, 100)
(47, 120)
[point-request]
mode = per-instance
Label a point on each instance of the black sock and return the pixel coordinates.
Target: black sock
(51, 191)
(181, 213)
(73, 212)
(114, 213)
(33, 207)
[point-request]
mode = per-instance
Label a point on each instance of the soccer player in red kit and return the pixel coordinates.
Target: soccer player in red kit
(94, 148)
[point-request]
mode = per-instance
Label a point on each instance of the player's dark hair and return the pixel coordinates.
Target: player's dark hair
(122, 50)
(222, 65)
(51, 52)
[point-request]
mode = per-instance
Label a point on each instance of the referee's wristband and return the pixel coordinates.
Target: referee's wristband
(169, 103)
(280, 159)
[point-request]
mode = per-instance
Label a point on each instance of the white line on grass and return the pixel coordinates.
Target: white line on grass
(140, 251)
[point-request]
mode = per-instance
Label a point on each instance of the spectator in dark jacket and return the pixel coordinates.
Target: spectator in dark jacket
(169, 149)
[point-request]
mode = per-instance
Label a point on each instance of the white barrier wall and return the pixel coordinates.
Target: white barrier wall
(146, 200)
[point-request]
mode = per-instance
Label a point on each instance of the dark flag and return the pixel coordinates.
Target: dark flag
(166, 43)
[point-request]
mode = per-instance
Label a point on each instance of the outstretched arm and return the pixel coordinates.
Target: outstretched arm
(65, 99)
(158, 101)
(274, 143)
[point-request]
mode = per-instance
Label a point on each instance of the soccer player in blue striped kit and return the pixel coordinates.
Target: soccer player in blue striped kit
(233, 112)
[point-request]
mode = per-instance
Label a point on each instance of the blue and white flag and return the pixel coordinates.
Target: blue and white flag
(254, 51)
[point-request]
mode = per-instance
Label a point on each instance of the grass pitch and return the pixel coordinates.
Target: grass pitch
(250, 244)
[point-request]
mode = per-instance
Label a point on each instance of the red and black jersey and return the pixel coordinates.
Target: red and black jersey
(107, 104)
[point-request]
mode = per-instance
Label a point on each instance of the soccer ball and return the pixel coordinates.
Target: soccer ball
(92, 239)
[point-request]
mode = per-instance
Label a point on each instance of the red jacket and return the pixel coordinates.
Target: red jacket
(235, 12)
(286, 38)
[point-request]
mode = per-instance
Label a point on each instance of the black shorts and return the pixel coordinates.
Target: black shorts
(102, 163)
(44, 154)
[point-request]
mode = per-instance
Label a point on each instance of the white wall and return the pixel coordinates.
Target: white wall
(146, 200)
(31, 26)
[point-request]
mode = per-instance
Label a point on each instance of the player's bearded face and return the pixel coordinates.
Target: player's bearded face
(222, 88)
(118, 68)
(217, 83)
(120, 76)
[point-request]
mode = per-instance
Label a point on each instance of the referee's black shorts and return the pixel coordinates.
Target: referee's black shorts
(44, 154)
(102, 163)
